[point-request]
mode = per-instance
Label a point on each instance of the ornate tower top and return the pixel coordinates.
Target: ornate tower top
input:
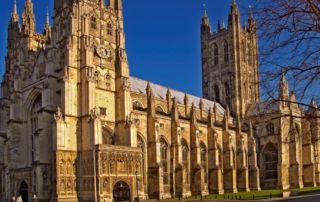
(28, 19)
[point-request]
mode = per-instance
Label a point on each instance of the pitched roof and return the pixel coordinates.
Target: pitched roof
(140, 86)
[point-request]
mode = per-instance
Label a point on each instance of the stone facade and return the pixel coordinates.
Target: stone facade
(286, 136)
(75, 126)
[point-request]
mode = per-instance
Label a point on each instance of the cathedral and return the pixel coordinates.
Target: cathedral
(75, 126)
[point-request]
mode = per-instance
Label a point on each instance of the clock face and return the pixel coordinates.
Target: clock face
(103, 52)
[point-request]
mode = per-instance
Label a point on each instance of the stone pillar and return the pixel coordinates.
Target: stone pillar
(254, 172)
(242, 164)
(215, 156)
(295, 170)
(229, 164)
(309, 177)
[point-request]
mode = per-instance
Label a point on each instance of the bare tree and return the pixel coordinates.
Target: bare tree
(289, 35)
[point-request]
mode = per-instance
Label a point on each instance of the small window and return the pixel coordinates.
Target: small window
(103, 111)
(93, 23)
(109, 29)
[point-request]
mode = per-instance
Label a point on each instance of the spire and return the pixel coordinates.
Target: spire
(47, 28)
(251, 21)
(205, 24)
(223, 24)
(219, 25)
(234, 7)
(205, 10)
(284, 86)
(14, 14)
(28, 19)
(234, 15)
(250, 12)
(47, 17)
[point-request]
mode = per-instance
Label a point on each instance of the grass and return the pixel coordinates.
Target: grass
(255, 195)
(306, 190)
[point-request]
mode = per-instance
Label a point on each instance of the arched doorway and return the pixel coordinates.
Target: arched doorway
(121, 192)
(23, 191)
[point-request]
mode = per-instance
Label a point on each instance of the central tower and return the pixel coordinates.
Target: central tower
(230, 73)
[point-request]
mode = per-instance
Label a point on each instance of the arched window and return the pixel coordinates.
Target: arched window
(34, 120)
(226, 51)
(93, 22)
(109, 29)
(270, 129)
(270, 162)
(159, 109)
(142, 146)
(164, 159)
(228, 95)
(244, 52)
(250, 56)
(216, 54)
(217, 93)
(185, 160)
(137, 105)
(203, 152)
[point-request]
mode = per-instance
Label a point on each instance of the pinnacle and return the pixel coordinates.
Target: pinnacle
(205, 10)
(14, 15)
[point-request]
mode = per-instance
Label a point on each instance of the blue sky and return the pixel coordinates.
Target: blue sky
(162, 37)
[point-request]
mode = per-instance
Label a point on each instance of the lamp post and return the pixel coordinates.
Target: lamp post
(137, 186)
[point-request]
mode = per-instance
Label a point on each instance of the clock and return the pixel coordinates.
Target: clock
(103, 52)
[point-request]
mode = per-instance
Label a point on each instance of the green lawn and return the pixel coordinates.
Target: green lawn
(306, 190)
(256, 195)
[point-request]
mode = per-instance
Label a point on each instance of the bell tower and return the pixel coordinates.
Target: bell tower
(230, 73)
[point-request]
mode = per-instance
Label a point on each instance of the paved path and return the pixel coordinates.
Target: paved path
(306, 198)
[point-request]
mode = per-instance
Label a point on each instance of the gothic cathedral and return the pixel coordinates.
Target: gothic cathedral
(75, 126)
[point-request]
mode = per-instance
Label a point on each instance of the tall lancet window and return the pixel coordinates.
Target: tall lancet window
(185, 160)
(109, 29)
(228, 95)
(226, 51)
(216, 54)
(203, 154)
(34, 120)
(93, 23)
(164, 160)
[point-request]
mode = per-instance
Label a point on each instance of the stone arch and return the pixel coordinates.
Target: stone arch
(24, 191)
(121, 191)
